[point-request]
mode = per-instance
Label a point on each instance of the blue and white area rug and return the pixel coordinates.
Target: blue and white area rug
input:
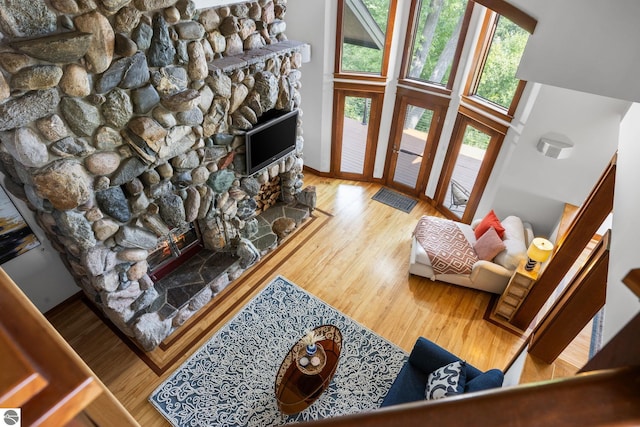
(230, 380)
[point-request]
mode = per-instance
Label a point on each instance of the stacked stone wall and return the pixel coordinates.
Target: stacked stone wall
(123, 119)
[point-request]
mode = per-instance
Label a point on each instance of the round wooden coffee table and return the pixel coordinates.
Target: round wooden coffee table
(296, 387)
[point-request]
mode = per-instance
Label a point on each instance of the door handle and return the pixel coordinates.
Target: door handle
(402, 150)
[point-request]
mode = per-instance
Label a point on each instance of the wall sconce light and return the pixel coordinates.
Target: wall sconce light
(305, 51)
(539, 251)
(554, 148)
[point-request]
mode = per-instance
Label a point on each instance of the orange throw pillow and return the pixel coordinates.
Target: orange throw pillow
(491, 220)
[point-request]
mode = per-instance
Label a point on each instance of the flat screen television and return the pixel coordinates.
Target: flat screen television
(271, 139)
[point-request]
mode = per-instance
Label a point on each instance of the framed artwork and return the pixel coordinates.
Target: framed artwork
(16, 237)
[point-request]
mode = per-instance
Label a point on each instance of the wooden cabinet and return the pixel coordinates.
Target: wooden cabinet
(42, 375)
(516, 291)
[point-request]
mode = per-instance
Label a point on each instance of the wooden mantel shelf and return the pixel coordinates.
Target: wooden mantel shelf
(42, 375)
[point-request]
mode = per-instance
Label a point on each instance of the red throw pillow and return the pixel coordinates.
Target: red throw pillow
(491, 220)
(489, 245)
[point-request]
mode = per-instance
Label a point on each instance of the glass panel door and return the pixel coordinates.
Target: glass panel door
(413, 141)
(356, 123)
(465, 170)
(354, 134)
(472, 153)
(413, 145)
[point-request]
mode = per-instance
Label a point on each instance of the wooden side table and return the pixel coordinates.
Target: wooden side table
(516, 291)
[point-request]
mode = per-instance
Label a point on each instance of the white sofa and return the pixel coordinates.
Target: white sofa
(491, 276)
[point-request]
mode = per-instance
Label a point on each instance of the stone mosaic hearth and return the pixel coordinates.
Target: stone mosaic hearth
(204, 275)
(122, 120)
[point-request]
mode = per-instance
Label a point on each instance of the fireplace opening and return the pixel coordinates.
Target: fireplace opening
(173, 250)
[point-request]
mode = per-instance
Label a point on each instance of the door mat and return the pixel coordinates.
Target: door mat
(395, 200)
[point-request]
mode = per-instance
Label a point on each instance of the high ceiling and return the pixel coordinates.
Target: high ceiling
(584, 45)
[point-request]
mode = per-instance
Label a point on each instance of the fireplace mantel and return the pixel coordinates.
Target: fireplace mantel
(228, 64)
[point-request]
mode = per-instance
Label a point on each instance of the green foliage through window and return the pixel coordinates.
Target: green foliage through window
(364, 26)
(357, 108)
(436, 39)
(475, 138)
(498, 82)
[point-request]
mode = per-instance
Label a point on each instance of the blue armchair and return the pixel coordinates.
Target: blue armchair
(426, 357)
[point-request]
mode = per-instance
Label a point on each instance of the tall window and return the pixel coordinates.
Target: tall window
(356, 123)
(497, 82)
(436, 32)
(472, 151)
(433, 47)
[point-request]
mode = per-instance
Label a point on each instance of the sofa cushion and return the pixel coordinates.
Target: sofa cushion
(489, 245)
(514, 242)
(407, 387)
(493, 378)
(490, 220)
(446, 381)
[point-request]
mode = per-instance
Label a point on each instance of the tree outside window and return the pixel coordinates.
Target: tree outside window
(498, 82)
(435, 40)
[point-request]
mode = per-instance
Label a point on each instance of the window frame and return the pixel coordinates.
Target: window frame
(340, 91)
(407, 54)
(364, 76)
(497, 131)
(481, 53)
(404, 98)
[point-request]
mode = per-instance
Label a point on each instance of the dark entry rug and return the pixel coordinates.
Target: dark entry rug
(395, 200)
(230, 380)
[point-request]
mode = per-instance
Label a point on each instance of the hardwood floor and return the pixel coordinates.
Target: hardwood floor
(354, 256)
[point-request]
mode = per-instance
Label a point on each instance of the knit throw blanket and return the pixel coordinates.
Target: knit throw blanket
(448, 250)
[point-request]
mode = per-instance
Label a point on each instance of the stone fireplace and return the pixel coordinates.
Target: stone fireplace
(122, 126)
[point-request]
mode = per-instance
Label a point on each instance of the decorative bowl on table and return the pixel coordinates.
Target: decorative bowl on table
(311, 364)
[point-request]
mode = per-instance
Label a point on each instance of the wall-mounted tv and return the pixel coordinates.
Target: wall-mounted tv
(271, 139)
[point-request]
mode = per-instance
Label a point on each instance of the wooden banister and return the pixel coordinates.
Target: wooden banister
(42, 374)
(609, 397)
(586, 223)
(632, 280)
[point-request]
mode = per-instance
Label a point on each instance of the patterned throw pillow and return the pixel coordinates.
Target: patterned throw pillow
(446, 381)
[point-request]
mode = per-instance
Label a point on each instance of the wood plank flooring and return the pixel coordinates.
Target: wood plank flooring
(355, 258)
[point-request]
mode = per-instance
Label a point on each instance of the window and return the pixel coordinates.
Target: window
(472, 152)
(432, 59)
(356, 123)
(364, 33)
(498, 83)
(435, 42)
(355, 132)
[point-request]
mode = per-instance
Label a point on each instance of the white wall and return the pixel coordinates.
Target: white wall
(621, 303)
(314, 22)
(528, 184)
(40, 273)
